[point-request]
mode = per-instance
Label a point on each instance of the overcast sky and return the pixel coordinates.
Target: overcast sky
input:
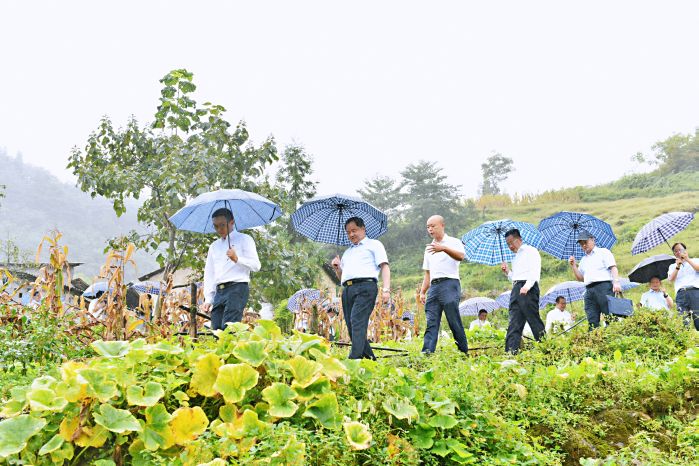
(569, 90)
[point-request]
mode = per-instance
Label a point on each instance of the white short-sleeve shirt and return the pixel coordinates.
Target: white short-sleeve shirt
(686, 276)
(363, 260)
(654, 300)
(595, 267)
(441, 264)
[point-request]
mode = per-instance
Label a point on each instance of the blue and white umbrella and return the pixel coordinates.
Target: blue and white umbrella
(571, 290)
(471, 306)
(560, 233)
(503, 299)
(249, 210)
(486, 244)
(305, 295)
(97, 287)
(659, 230)
(147, 287)
(323, 218)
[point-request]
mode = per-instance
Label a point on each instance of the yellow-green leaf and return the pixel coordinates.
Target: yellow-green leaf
(145, 396)
(279, 397)
(116, 420)
(16, 431)
(204, 374)
(325, 410)
(187, 424)
(234, 380)
(252, 352)
(358, 435)
(304, 370)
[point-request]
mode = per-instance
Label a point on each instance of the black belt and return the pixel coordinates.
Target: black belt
(223, 286)
(441, 279)
(517, 282)
(354, 281)
(688, 288)
(594, 284)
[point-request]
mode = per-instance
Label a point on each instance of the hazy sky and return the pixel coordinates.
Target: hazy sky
(569, 90)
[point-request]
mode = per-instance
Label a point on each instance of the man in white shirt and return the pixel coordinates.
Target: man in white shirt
(229, 262)
(599, 272)
(441, 265)
(524, 299)
(358, 270)
(558, 316)
(481, 322)
(685, 274)
(656, 298)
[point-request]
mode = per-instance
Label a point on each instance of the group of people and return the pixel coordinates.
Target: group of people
(233, 256)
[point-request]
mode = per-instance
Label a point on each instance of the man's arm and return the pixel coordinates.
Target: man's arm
(576, 270)
(250, 260)
(536, 261)
(616, 284)
(386, 282)
(209, 282)
(425, 286)
(337, 267)
(456, 254)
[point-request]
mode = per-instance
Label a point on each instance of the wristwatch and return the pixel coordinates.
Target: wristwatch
(386, 290)
(665, 295)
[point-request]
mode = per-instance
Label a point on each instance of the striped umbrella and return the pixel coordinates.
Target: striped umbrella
(147, 287)
(575, 291)
(659, 230)
(560, 233)
(503, 300)
(305, 295)
(486, 244)
(471, 306)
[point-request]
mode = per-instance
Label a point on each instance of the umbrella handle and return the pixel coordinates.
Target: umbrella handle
(228, 233)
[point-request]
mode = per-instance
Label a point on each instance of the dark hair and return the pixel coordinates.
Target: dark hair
(558, 299)
(513, 232)
(681, 244)
(356, 220)
(655, 276)
(482, 311)
(223, 212)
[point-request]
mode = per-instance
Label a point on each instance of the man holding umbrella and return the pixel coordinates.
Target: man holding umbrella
(524, 298)
(598, 270)
(358, 271)
(229, 262)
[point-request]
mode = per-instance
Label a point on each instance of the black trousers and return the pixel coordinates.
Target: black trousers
(523, 309)
(358, 302)
(229, 304)
(596, 301)
(688, 305)
(444, 296)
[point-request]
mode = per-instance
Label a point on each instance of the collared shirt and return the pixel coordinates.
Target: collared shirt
(441, 264)
(556, 315)
(595, 267)
(220, 269)
(654, 300)
(362, 260)
(479, 324)
(526, 265)
(686, 276)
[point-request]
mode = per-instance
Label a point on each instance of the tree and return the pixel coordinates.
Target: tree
(189, 149)
(496, 169)
(426, 191)
(678, 153)
(383, 192)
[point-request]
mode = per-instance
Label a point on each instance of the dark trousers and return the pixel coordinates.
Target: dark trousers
(596, 301)
(523, 308)
(688, 305)
(358, 302)
(229, 304)
(444, 296)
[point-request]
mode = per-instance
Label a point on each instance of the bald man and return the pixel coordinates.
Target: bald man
(441, 288)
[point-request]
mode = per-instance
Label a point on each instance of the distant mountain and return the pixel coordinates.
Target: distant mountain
(36, 202)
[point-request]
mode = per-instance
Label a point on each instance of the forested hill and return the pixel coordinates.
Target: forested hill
(36, 202)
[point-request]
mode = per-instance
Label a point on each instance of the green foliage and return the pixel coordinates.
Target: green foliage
(190, 149)
(496, 169)
(677, 154)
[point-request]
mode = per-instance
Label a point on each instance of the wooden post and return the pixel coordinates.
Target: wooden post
(193, 311)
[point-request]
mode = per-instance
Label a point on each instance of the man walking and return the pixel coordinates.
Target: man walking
(358, 271)
(524, 298)
(229, 262)
(599, 272)
(441, 288)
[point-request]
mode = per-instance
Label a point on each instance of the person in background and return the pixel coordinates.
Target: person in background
(656, 298)
(36, 300)
(558, 316)
(524, 298)
(684, 273)
(598, 270)
(481, 322)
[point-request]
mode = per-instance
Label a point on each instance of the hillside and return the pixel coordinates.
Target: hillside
(36, 201)
(625, 208)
